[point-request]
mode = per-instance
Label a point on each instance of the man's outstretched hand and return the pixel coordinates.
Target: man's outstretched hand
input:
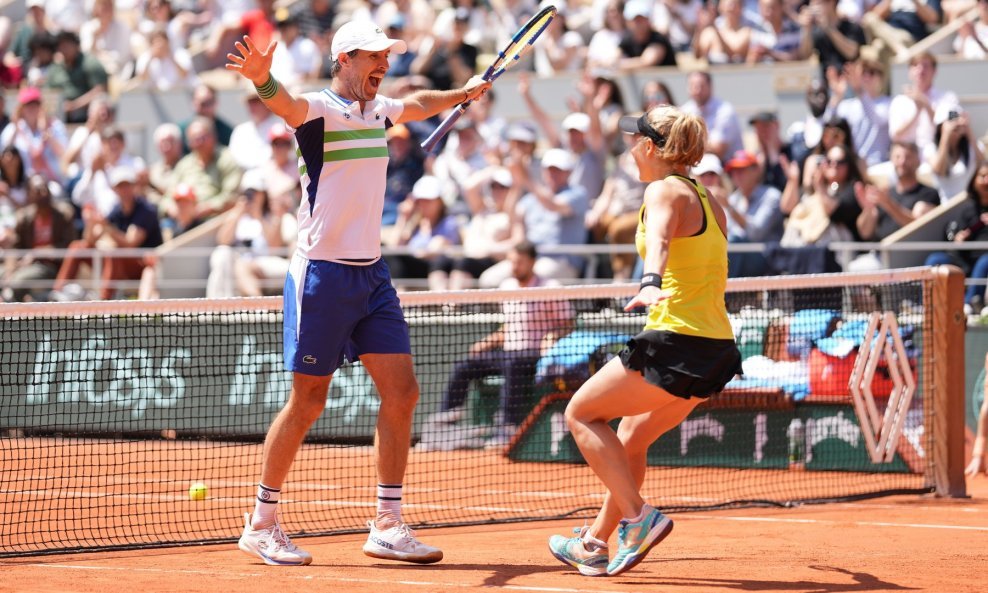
(252, 63)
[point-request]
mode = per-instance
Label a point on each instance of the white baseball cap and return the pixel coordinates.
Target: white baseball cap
(122, 174)
(636, 8)
(364, 35)
(253, 179)
(710, 163)
(521, 133)
(577, 121)
(427, 188)
(945, 110)
(558, 158)
(503, 177)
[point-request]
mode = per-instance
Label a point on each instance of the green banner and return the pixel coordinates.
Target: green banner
(815, 437)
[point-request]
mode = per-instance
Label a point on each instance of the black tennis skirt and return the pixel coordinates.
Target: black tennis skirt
(685, 366)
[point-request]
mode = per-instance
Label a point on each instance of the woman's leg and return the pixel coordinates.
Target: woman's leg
(611, 393)
(637, 433)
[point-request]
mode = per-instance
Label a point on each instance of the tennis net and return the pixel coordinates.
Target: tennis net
(109, 411)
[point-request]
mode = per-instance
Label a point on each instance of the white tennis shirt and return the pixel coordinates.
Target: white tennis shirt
(343, 165)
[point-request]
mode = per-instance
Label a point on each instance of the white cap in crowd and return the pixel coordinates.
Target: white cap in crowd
(521, 133)
(637, 8)
(364, 34)
(427, 188)
(502, 176)
(577, 121)
(945, 111)
(122, 174)
(559, 159)
(253, 179)
(710, 163)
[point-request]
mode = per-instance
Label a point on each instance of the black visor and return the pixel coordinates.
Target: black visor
(640, 125)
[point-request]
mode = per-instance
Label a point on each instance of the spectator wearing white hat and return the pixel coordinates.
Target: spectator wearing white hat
(425, 229)
(581, 134)
(549, 214)
(710, 173)
(522, 139)
(641, 45)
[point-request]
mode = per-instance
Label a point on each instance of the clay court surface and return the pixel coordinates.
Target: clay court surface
(890, 544)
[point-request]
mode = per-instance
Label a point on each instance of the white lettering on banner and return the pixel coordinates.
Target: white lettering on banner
(256, 369)
(558, 431)
(351, 396)
(702, 426)
(761, 436)
(832, 427)
(98, 375)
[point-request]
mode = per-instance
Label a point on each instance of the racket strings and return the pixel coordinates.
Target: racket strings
(522, 42)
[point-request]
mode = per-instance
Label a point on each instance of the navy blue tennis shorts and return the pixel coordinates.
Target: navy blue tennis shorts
(336, 312)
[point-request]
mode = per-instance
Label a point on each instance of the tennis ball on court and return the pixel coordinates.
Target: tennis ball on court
(198, 491)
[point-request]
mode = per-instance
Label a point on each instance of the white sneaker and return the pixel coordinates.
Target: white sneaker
(398, 543)
(271, 545)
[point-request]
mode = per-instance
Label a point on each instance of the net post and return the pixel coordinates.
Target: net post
(947, 382)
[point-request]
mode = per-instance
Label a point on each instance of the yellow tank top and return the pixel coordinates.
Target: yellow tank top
(695, 277)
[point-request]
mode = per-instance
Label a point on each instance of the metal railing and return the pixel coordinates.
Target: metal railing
(593, 252)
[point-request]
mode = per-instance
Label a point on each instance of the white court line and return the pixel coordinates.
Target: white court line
(829, 522)
(287, 575)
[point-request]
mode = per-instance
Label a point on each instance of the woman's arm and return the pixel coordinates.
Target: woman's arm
(662, 206)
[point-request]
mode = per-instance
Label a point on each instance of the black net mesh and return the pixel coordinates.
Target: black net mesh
(107, 419)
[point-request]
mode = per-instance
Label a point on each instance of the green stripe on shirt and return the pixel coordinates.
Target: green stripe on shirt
(355, 153)
(339, 136)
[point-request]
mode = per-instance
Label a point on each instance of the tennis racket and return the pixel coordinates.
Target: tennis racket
(506, 58)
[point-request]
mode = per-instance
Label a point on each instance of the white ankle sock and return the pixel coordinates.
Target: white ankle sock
(389, 501)
(641, 515)
(266, 507)
(592, 544)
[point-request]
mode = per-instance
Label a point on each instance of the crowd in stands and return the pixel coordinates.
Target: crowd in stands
(865, 161)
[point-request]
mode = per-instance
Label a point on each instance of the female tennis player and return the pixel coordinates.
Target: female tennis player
(685, 353)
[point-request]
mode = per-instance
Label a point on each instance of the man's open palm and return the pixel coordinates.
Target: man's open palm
(252, 63)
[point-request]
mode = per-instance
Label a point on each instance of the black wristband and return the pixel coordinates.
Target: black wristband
(651, 280)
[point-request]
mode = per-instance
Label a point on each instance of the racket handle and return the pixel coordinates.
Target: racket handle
(445, 127)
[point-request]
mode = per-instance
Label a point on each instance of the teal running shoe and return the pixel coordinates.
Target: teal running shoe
(636, 539)
(570, 550)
